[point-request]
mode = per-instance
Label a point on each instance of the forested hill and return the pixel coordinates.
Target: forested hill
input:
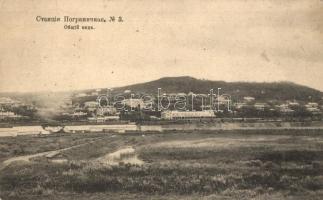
(261, 91)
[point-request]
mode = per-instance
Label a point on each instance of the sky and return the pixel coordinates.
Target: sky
(230, 40)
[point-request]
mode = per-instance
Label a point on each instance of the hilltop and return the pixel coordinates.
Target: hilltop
(261, 91)
(185, 84)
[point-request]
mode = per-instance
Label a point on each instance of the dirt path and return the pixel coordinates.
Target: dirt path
(26, 158)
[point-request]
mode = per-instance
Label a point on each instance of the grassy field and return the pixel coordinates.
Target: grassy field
(281, 164)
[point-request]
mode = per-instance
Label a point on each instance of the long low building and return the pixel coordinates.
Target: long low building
(175, 114)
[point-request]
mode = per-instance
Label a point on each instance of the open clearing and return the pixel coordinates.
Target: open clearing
(245, 164)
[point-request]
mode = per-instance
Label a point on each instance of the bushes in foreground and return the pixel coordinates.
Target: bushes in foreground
(152, 179)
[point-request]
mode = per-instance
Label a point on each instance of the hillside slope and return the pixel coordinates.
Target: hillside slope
(261, 91)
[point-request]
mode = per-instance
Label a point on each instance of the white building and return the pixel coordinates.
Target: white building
(103, 119)
(312, 105)
(223, 99)
(240, 105)
(249, 99)
(293, 103)
(8, 114)
(260, 106)
(9, 102)
(106, 110)
(79, 114)
(170, 115)
(284, 108)
(91, 104)
(313, 108)
(134, 103)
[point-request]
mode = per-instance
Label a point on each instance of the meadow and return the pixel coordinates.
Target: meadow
(241, 164)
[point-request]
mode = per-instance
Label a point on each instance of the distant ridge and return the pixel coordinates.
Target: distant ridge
(261, 91)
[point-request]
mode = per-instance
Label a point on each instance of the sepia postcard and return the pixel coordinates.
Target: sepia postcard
(161, 99)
